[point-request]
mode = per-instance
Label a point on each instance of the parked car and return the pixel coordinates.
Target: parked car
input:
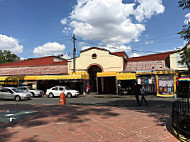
(14, 94)
(34, 92)
(57, 90)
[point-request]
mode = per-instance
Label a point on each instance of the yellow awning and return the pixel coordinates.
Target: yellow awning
(165, 72)
(106, 74)
(126, 76)
(45, 77)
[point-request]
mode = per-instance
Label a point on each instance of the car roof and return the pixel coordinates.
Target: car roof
(59, 86)
(10, 87)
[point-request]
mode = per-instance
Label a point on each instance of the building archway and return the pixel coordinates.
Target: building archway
(92, 71)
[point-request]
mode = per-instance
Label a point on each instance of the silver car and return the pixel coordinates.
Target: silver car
(14, 94)
(33, 92)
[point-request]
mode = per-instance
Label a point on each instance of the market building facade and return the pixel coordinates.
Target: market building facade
(103, 71)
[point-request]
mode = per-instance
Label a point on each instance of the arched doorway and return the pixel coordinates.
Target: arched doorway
(92, 71)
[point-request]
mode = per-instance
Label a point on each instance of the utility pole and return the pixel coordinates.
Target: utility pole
(74, 52)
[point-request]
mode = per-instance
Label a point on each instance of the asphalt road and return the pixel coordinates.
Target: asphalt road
(128, 101)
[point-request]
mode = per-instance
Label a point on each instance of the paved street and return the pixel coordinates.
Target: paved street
(88, 119)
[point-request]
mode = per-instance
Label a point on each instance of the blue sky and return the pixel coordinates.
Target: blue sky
(35, 28)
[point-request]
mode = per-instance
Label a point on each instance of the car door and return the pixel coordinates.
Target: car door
(55, 91)
(6, 93)
(61, 90)
(9, 94)
(1, 94)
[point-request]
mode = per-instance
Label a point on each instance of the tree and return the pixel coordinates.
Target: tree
(7, 57)
(185, 57)
(185, 34)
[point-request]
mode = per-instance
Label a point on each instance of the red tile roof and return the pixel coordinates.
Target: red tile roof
(35, 70)
(121, 54)
(35, 62)
(94, 48)
(159, 56)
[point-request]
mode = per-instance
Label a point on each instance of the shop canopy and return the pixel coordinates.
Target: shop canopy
(184, 78)
(119, 76)
(44, 77)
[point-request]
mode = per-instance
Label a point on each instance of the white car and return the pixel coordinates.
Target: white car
(14, 94)
(57, 90)
(34, 92)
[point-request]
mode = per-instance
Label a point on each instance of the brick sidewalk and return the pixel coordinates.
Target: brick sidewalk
(86, 124)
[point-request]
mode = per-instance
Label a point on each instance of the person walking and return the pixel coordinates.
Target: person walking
(136, 91)
(143, 92)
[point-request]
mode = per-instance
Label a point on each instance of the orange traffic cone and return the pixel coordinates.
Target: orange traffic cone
(62, 100)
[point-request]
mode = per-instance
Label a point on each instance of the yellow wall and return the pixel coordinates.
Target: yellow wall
(173, 62)
(108, 62)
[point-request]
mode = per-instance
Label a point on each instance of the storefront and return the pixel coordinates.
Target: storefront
(149, 81)
(43, 82)
(115, 83)
(183, 87)
(165, 83)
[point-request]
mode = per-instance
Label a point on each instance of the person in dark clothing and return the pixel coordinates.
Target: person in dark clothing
(136, 90)
(143, 92)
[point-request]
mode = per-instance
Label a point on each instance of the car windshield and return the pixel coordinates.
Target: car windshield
(17, 90)
(67, 88)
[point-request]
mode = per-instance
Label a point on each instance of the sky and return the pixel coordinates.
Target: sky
(38, 28)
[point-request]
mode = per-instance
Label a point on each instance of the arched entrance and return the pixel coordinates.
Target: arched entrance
(92, 71)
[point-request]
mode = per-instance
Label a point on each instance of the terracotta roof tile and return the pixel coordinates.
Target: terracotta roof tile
(34, 62)
(35, 70)
(159, 56)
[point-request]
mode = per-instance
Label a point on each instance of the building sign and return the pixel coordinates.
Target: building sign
(166, 84)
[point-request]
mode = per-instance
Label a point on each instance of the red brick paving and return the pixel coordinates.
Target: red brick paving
(86, 124)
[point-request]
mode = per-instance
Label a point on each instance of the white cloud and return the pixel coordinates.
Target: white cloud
(148, 8)
(186, 21)
(112, 48)
(66, 56)
(10, 43)
(64, 21)
(85, 47)
(111, 21)
(149, 42)
(50, 48)
(135, 55)
(117, 48)
(22, 58)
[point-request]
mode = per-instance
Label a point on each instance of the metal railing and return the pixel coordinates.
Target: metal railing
(181, 118)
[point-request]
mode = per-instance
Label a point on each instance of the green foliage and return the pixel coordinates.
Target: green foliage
(185, 34)
(184, 3)
(185, 58)
(7, 57)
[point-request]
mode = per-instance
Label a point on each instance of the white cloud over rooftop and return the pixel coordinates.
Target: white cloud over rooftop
(10, 43)
(112, 21)
(50, 48)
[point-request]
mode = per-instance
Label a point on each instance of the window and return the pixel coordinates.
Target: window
(61, 89)
(55, 88)
(94, 56)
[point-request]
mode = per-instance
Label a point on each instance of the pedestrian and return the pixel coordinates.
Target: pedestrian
(88, 89)
(143, 93)
(136, 91)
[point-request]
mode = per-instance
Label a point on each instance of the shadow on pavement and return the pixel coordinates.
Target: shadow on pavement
(158, 109)
(66, 114)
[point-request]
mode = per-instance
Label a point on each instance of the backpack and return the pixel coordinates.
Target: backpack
(143, 90)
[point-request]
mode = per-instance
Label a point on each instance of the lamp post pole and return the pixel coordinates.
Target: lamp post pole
(74, 52)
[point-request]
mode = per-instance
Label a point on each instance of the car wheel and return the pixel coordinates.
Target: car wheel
(17, 98)
(51, 95)
(32, 94)
(69, 95)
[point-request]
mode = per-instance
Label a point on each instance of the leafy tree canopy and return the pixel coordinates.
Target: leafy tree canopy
(7, 57)
(185, 34)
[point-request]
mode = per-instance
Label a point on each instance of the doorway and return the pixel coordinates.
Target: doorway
(92, 71)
